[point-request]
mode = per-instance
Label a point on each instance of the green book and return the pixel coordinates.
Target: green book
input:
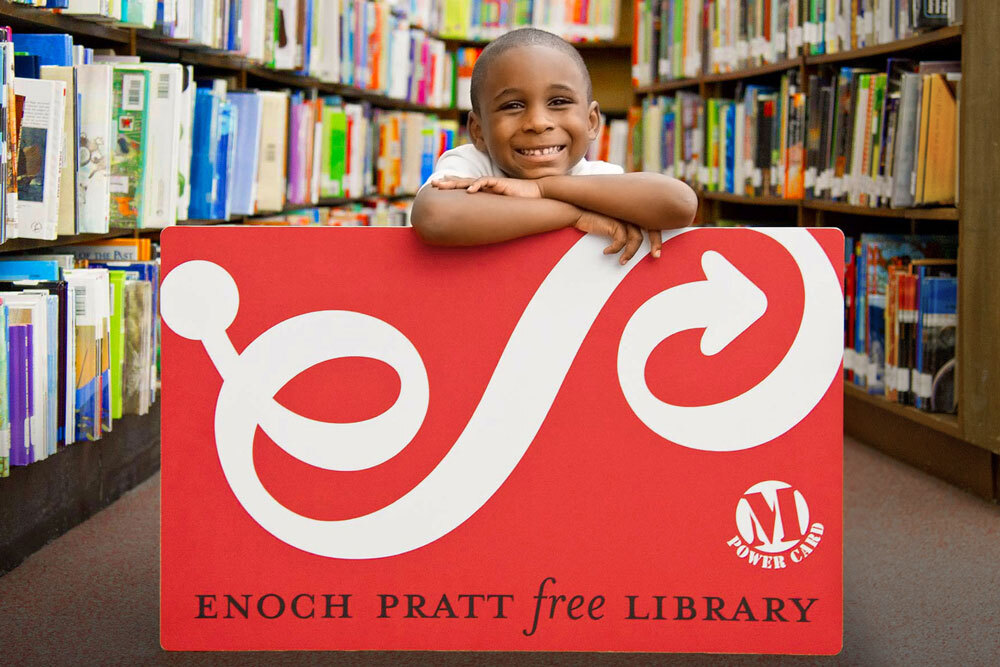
(677, 60)
(338, 148)
(712, 131)
(130, 103)
(117, 279)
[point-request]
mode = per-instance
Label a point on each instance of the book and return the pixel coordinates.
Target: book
(249, 106)
(130, 146)
(93, 198)
(38, 157)
(67, 222)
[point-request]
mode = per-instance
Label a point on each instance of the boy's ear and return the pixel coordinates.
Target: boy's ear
(476, 131)
(594, 120)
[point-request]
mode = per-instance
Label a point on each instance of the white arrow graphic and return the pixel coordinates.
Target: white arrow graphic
(727, 303)
(200, 300)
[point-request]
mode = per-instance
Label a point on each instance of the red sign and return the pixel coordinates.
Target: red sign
(372, 444)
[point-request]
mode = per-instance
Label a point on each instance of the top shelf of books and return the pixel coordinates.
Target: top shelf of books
(382, 51)
(688, 42)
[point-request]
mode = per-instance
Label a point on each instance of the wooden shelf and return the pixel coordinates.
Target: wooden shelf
(943, 423)
(940, 36)
(28, 18)
(934, 37)
(18, 245)
(744, 199)
(667, 86)
(752, 72)
(939, 213)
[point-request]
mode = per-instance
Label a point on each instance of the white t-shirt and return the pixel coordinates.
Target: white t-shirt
(467, 161)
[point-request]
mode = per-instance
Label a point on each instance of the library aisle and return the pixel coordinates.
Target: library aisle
(920, 582)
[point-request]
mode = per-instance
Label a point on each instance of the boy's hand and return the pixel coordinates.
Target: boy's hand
(511, 187)
(625, 238)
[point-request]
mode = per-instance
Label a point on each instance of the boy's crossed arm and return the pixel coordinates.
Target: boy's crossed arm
(466, 211)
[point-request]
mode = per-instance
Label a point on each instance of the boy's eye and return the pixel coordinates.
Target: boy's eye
(561, 101)
(511, 105)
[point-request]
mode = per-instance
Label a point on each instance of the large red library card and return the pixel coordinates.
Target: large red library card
(369, 443)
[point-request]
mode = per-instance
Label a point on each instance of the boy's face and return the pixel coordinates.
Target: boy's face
(534, 118)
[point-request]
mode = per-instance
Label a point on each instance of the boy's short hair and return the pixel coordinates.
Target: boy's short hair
(523, 37)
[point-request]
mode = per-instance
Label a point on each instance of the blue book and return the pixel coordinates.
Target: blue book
(27, 66)
(204, 152)
(426, 152)
(29, 269)
(56, 4)
(226, 160)
(244, 181)
(51, 49)
(937, 323)
(730, 166)
(307, 42)
(52, 357)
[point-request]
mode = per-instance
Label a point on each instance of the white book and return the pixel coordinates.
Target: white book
(618, 142)
(255, 31)
(185, 19)
(160, 190)
(92, 303)
(272, 170)
(93, 185)
(184, 145)
(41, 133)
(354, 167)
(97, 9)
(329, 27)
(286, 48)
(28, 308)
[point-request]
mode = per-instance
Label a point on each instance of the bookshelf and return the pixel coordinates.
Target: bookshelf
(37, 503)
(962, 449)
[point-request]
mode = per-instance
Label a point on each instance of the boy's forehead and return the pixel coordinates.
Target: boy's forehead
(533, 65)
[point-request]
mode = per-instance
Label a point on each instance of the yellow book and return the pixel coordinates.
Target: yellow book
(936, 153)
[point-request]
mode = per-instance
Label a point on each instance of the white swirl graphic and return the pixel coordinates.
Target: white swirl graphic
(200, 300)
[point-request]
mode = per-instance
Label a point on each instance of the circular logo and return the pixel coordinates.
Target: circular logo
(772, 517)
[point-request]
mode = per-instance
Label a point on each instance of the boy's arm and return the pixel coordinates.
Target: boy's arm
(455, 217)
(649, 200)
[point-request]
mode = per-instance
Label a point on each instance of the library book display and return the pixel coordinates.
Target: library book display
(537, 404)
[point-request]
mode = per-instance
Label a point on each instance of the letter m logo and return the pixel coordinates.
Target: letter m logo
(771, 516)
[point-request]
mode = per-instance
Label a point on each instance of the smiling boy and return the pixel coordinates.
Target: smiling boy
(533, 117)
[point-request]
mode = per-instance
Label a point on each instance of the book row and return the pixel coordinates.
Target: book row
(901, 318)
(259, 28)
(677, 39)
(375, 212)
(122, 143)
(483, 20)
(79, 346)
(855, 135)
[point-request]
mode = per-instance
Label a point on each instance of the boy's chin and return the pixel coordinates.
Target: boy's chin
(536, 172)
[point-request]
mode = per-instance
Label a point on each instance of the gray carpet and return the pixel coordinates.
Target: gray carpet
(921, 570)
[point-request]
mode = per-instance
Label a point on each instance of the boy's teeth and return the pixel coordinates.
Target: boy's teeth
(541, 151)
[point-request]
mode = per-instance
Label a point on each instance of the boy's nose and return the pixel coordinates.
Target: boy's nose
(537, 120)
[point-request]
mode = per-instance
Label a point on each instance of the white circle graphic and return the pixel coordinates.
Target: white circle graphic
(769, 525)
